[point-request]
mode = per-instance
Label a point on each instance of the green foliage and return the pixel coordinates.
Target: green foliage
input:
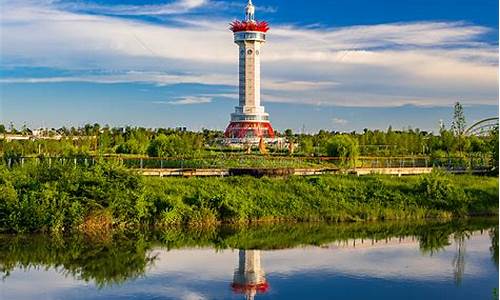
(94, 139)
(61, 196)
(345, 148)
(439, 191)
(458, 124)
(174, 146)
(132, 146)
(58, 196)
(493, 147)
(306, 145)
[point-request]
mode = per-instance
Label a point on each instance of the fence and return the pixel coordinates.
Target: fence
(259, 161)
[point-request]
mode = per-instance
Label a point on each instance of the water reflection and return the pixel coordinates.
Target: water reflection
(272, 260)
(459, 258)
(249, 278)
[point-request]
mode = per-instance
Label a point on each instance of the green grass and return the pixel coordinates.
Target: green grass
(62, 197)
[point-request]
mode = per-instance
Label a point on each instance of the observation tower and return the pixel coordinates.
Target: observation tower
(249, 121)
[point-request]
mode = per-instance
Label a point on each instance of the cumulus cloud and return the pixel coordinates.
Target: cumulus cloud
(422, 63)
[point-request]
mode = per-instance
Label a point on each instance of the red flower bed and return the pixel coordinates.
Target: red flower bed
(237, 26)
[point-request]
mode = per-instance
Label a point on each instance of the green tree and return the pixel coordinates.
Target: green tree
(171, 146)
(344, 147)
(131, 146)
(458, 124)
(494, 146)
(306, 145)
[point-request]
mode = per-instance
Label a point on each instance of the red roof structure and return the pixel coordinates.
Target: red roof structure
(237, 26)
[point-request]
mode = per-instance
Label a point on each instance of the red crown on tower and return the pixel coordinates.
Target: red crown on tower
(250, 24)
(237, 26)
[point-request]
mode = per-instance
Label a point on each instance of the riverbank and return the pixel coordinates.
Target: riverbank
(62, 197)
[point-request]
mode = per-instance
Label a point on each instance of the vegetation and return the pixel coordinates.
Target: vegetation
(344, 147)
(62, 196)
(176, 143)
(174, 146)
(111, 257)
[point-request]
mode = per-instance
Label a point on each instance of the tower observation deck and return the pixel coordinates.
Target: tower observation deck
(249, 119)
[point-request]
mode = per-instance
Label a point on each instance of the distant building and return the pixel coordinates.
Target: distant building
(40, 132)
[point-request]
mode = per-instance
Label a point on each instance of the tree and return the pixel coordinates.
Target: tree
(171, 146)
(2, 128)
(132, 146)
(344, 147)
(494, 147)
(448, 141)
(306, 145)
(458, 124)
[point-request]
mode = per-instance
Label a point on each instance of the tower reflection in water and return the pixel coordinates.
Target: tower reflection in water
(249, 278)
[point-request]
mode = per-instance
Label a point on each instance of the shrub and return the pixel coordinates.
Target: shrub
(440, 192)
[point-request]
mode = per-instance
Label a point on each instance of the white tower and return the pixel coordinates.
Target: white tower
(249, 119)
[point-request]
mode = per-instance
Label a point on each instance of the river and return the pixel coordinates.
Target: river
(384, 260)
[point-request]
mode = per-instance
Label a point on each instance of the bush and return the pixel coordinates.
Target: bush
(440, 192)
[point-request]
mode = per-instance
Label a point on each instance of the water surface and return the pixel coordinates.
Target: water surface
(422, 260)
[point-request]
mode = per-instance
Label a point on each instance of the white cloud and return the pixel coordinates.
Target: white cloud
(339, 121)
(175, 7)
(423, 63)
(190, 100)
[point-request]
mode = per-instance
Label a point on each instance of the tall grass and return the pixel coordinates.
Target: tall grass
(60, 197)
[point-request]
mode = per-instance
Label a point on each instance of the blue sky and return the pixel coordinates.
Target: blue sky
(335, 65)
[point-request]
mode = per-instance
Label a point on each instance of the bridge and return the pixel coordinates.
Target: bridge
(482, 127)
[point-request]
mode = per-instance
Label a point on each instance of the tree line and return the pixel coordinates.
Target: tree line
(94, 139)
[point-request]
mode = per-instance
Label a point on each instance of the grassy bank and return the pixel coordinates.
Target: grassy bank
(62, 197)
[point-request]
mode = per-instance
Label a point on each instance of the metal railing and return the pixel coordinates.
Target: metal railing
(260, 161)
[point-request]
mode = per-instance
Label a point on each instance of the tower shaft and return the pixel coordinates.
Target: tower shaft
(249, 108)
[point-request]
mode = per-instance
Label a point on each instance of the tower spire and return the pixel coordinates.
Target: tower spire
(250, 12)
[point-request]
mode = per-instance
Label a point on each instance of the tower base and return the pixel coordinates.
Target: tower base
(249, 129)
